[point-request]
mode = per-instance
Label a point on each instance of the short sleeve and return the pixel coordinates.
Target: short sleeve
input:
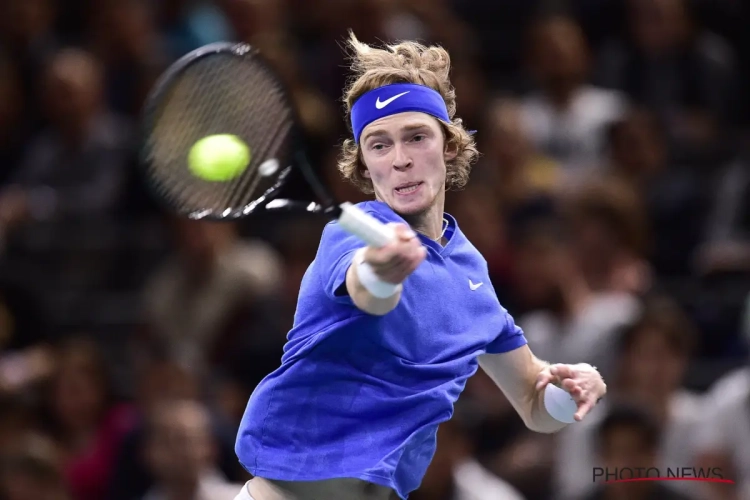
(334, 256)
(510, 338)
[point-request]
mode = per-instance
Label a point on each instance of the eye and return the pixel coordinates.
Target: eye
(418, 138)
(377, 147)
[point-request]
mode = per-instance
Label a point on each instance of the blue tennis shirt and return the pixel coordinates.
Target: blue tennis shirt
(361, 396)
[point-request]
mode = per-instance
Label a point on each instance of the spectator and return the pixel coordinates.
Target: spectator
(673, 196)
(195, 302)
(565, 117)
(727, 240)
(630, 438)
(654, 354)
(570, 321)
(85, 418)
(76, 166)
(131, 49)
(516, 169)
(182, 455)
(723, 438)
(33, 472)
(27, 32)
(686, 74)
(162, 380)
(453, 473)
(610, 237)
(186, 25)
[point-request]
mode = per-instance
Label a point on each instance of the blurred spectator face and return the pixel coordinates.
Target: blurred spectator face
(626, 446)
(652, 366)
(658, 25)
(470, 86)
(126, 27)
(559, 55)
(30, 482)
(540, 266)
(508, 141)
(480, 219)
(608, 226)
(25, 20)
(32, 472)
(200, 241)
(252, 17)
(15, 421)
(180, 445)
(637, 146)
(595, 241)
(72, 89)
(166, 380)
(80, 386)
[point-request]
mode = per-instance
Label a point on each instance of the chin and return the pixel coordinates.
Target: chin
(411, 207)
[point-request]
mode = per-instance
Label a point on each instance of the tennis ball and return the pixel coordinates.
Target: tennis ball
(219, 158)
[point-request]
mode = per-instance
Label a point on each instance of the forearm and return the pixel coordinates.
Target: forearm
(516, 373)
(539, 419)
(362, 297)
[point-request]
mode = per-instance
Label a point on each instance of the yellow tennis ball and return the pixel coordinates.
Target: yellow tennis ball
(219, 158)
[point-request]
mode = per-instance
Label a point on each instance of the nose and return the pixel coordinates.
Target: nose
(401, 160)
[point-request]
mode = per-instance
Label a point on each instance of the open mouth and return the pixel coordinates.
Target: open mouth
(408, 188)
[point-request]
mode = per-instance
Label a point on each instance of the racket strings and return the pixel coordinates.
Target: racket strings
(271, 138)
(219, 94)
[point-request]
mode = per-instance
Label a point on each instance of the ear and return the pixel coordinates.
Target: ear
(365, 173)
(451, 151)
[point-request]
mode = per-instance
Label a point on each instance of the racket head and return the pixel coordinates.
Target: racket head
(221, 88)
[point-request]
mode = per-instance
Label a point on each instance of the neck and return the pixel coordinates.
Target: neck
(429, 222)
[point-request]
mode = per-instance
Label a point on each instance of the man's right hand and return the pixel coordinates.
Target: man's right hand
(394, 262)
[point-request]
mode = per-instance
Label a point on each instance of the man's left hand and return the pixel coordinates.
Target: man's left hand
(582, 381)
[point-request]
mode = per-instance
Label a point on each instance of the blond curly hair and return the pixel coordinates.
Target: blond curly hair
(405, 62)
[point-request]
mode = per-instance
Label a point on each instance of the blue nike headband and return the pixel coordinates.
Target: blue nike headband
(396, 98)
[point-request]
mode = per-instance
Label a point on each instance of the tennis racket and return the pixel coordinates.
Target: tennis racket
(229, 88)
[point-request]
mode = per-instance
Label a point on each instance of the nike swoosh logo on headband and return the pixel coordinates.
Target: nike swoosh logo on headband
(381, 105)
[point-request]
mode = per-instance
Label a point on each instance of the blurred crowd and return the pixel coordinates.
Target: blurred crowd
(611, 201)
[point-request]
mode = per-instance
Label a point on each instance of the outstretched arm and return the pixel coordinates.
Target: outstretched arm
(374, 277)
(524, 379)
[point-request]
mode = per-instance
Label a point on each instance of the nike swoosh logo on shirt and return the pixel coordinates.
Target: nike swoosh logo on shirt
(473, 286)
(381, 105)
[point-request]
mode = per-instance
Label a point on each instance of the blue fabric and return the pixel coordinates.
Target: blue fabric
(396, 98)
(361, 396)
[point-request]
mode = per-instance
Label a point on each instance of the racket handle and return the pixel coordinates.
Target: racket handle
(364, 226)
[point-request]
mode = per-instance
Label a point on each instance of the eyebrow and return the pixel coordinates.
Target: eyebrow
(406, 128)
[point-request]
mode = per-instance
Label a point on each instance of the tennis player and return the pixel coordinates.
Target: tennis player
(385, 339)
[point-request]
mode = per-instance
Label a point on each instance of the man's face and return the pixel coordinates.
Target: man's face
(405, 158)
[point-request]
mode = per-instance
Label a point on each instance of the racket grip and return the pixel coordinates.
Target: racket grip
(364, 226)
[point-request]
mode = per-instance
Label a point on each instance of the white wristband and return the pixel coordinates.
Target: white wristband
(559, 404)
(370, 280)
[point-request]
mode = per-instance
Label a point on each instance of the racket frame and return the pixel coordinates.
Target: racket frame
(352, 219)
